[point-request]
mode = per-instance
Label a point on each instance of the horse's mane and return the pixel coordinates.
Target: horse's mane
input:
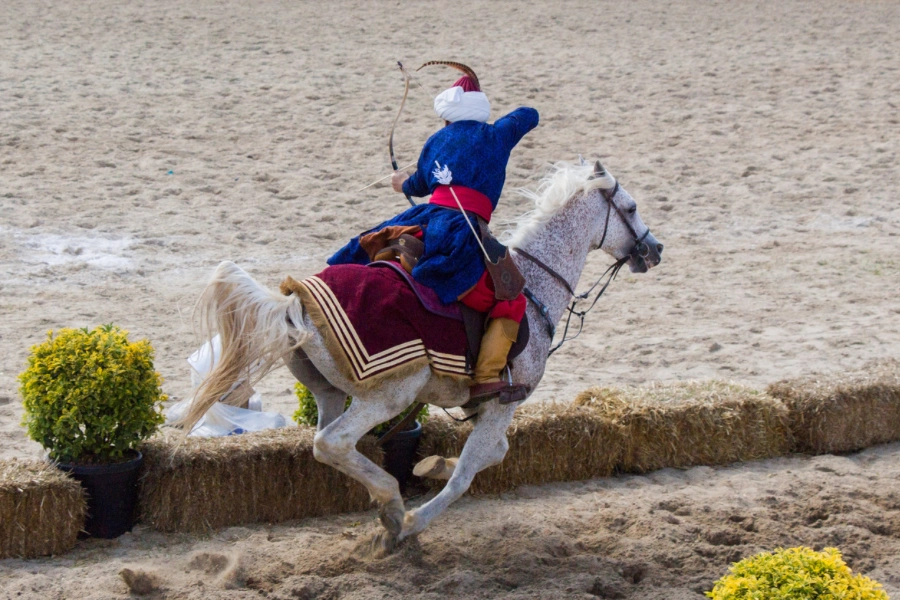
(564, 182)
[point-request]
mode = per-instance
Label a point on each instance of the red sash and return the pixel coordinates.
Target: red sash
(471, 200)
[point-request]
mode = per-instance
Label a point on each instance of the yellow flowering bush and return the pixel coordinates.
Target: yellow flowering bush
(795, 573)
(308, 413)
(91, 396)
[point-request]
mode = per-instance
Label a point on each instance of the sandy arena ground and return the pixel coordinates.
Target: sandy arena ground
(142, 143)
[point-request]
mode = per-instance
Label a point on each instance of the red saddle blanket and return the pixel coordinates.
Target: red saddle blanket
(377, 322)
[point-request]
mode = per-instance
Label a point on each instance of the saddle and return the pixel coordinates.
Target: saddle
(399, 244)
(395, 242)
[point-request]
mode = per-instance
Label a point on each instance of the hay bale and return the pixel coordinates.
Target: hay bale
(843, 412)
(692, 423)
(547, 442)
(269, 476)
(41, 509)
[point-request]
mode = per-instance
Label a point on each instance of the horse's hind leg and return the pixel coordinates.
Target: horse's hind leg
(335, 445)
(329, 399)
(486, 446)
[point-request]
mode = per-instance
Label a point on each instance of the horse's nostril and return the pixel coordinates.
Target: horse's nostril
(659, 248)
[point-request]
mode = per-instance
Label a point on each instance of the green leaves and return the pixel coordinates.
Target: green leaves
(795, 573)
(308, 413)
(91, 396)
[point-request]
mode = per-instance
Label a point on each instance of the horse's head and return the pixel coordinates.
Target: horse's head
(619, 229)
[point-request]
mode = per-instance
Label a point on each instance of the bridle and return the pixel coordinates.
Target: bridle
(639, 249)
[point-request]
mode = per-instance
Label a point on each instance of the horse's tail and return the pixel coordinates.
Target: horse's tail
(257, 328)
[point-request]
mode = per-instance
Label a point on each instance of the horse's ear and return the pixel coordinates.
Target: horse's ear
(599, 171)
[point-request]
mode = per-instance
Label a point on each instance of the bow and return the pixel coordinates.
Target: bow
(453, 65)
(407, 78)
(394, 165)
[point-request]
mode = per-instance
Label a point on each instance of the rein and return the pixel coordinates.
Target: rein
(613, 270)
(640, 249)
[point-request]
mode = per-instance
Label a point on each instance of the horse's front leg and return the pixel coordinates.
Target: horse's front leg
(486, 446)
(335, 445)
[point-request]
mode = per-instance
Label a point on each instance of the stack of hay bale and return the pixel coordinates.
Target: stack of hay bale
(632, 429)
(691, 423)
(642, 429)
(843, 412)
(547, 442)
(195, 484)
(41, 509)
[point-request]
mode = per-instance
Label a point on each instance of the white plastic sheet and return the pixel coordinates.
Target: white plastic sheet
(222, 419)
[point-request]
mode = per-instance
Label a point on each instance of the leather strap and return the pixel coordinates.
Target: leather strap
(413, 413)
(549, 270)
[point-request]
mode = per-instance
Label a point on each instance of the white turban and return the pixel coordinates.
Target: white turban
(457, 105)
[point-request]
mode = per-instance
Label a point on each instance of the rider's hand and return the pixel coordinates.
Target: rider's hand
(397, 180)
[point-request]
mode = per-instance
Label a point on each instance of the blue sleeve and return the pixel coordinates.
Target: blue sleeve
(418, 183)
(516, 124)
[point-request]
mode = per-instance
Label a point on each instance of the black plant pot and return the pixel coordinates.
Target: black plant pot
(111, 495)
(400, 452)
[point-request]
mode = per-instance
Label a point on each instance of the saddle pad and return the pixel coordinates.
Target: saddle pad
(375, 326)
(427, 296)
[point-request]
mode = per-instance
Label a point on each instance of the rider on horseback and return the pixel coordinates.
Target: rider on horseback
(463, 165)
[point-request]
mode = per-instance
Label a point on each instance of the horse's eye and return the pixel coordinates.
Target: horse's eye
(632, 210)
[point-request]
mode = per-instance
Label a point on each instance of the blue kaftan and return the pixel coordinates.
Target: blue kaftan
(476, 154)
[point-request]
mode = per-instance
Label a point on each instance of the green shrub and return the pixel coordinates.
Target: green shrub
(795, 573)
(308, 413)
(91, 396)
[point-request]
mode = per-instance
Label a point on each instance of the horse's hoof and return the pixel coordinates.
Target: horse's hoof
(435, 467)
(392, 515)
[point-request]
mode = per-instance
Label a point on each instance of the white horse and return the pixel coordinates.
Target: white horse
(577, 209)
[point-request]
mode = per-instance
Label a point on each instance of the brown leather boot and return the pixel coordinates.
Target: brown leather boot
(495, 345)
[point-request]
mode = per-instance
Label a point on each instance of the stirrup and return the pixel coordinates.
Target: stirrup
(506, 392)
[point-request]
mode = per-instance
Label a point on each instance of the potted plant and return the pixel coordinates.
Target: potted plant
(91, 398)
(399, 451)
